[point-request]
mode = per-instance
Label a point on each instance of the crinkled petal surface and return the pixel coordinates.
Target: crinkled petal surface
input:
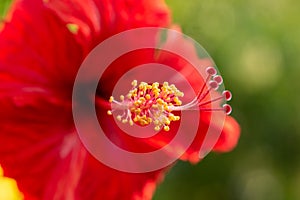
(39, 59)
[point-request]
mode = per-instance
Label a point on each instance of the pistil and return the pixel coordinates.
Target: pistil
(154, 103)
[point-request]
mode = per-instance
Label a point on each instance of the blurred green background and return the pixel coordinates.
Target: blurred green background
(256, 45)
(4, 5)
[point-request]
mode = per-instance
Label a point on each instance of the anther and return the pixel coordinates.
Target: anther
(166, 128)
(134, 83)
(154, 103)
(119, 117)
(109, 112)
(146, 103)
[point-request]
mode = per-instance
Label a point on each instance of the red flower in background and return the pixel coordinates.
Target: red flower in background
(42, 47)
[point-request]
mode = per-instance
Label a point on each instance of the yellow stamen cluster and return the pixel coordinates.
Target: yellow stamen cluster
(149, 103)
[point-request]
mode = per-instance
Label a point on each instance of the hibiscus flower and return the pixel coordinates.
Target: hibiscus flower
(43, 44)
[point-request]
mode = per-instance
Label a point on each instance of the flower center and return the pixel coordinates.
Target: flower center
(154, 103)
(149, 103)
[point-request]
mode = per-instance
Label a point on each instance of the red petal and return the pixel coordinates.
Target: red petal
(38, 62)
(229, 136)
(136, 58)
(100, 19)
(37, 48)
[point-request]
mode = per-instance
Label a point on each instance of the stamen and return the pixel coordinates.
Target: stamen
(109, 112)
(154, 103)
(147, 103)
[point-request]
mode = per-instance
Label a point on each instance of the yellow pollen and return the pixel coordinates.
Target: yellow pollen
(111, 99)
(134, 83)
(119, 117)
(149, 103)
(109, 112)
(73, 28)
(157, 128)
(166, 128)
